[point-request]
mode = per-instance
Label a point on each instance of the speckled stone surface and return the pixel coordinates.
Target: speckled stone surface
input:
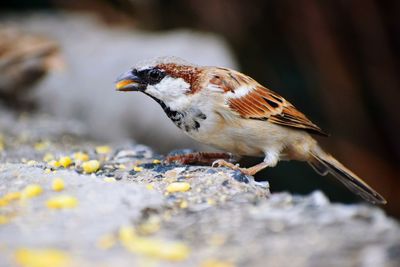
(219, 216)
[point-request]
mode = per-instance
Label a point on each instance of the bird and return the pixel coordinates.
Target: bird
(231, 111)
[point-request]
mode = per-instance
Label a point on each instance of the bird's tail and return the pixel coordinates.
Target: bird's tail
(323, 163)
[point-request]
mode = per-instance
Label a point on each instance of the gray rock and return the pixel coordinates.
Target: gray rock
(224, 216)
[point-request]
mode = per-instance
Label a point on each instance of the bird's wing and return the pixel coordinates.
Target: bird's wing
(254, 101)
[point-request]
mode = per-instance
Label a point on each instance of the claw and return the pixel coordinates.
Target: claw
(216, 163)
(246, 171)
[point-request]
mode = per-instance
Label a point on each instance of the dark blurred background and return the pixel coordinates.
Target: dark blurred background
(337, 61)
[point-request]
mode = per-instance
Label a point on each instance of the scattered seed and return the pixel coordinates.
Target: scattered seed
(216, 263)
(31, 162)
(80, 156)
(2, 142)
(11, 196)
(184, 204)
(32, 190)
(65, 161)
(149, 187)
(211, 202)
(42, 258)
(156, 161)
(58, 184)
(137, 169)
(54, 164)
(109, 179)
(61, 202)
(155, 248)
(40, 146)
(103, 149)
(121, 166)
(106, 241)
(4, 219)
(178, 187)
(91, 166)
(3, 202)
(48, 157)
(150, 226)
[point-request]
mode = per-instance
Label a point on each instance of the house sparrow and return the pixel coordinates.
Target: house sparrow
(231, 111)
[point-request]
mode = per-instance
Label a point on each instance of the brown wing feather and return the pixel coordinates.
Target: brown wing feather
(260, 103)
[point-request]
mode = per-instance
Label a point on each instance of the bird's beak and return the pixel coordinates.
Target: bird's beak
(128, 81)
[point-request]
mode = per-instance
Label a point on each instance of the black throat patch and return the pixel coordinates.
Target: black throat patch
(185, 120)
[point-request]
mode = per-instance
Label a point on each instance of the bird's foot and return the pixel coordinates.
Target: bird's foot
(246, 171)
(202, 158)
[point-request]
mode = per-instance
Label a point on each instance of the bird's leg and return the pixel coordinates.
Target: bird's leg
(247, 171)
(202, 158)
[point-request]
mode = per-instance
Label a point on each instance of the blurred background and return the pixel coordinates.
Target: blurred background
(337, 61)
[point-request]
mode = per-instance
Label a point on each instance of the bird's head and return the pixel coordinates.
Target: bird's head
(167, 80)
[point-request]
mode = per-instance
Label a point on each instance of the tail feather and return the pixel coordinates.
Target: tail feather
(324, 163)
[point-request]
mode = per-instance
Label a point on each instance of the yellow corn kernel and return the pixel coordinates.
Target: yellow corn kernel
(184, 204)
(109, 179)
(62, 202)
(121, 167)
(137, 169)
(32, 190)
(156, 161)
(217, 240)
(41, 258)
(12, 196)
(178, 187)
(91, 166)
(58, 184)
(31, 162)
(150, 226)
(106, 241)
(3, 202)
(126, 233)
(160, 249)
(54, 164)
(39, 146)
(103, 149)
(1, 142)
(65, 161)
(149, 187)
(81, 156)
(216, 263)
(211, 202)
(4, 219)
(48, 157)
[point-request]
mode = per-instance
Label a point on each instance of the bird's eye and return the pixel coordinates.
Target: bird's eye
(155, 75)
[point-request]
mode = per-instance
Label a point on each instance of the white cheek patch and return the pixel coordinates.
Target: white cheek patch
(172, 91)
(239, 92)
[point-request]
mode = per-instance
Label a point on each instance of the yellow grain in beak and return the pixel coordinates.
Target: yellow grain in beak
(122, 84)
